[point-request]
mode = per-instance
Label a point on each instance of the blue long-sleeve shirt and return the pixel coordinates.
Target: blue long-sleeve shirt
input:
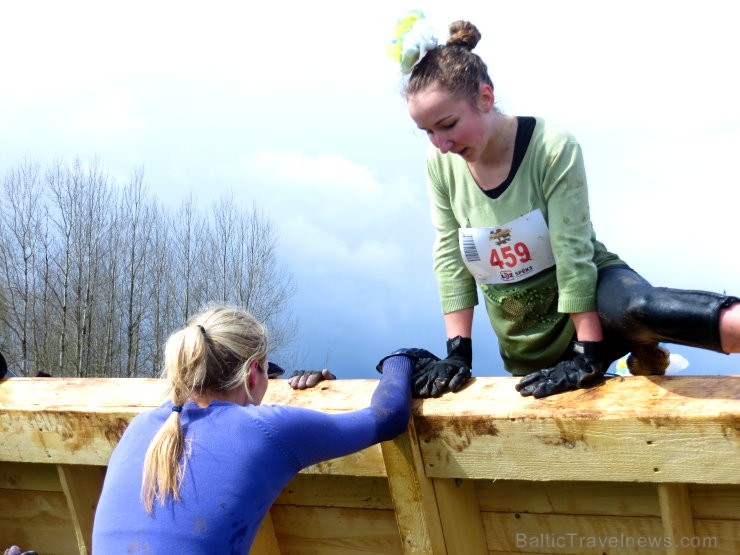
(240, 459)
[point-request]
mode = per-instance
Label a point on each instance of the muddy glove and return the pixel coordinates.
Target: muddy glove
(422, 360)
(586, 369)
(450, 373)
(304, 379)
(274, 371)
(433, 377)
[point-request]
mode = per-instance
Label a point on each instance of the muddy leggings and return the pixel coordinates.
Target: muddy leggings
(633, 312)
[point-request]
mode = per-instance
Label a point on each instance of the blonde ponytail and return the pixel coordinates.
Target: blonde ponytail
(163, 471)
(214, 352)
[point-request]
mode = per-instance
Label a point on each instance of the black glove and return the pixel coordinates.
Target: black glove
(274, 371)
(422, 360)
(586, 369)
(420, 357)
(438, 376)
(431, 377)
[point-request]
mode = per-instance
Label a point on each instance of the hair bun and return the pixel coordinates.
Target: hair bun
(463, 33)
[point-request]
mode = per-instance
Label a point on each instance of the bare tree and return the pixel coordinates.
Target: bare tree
(189, 232)
(98, 198)
(162, 290)
(81, 216)
(225, 222)
(22, 224)
(137, 228)
(66, 195)
(249, 272)
(44, 349)
(111, 313)
(94, 276)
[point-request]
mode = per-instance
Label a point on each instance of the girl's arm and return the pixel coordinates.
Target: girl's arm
(313, 436)
(459, 322)
(588, 326)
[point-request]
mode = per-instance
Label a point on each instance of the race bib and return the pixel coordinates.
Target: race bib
(509, 253)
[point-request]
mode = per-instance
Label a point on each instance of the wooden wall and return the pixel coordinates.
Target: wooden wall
(627, 467)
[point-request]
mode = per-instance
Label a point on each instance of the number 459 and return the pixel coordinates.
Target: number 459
(510, 256)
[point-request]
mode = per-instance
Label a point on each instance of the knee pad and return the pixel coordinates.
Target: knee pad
(678, 316)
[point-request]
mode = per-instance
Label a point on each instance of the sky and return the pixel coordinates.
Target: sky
(295, 106)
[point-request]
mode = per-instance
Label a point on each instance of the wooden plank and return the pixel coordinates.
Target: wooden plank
(564, 534)
(265, 542)
(368, 462)
(716, 537)
(715, 501)
(81, 394)
(573, 454)
(79, 420)
(413, 496)
(581, 450)
(82, 486)
(641, 428)
(460, 515)
(36, 520)
(360, 492)
(678, 522)
(573, 535)
(648, 429)
(61, 437)
(70, 421)
(335, 531)
(573, 498)
(40, 477)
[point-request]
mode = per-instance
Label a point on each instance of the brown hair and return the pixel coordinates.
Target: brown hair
(215, 350)
(452, 66)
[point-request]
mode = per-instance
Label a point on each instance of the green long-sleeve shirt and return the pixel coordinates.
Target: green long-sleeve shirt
(530, 317)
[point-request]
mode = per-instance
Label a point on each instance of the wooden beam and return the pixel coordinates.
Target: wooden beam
(70, 421)
(359, 492)
(82, 486)
(335, 531)
(38, 520)
(481, 460)
(715, 501)
(572, 534)
(368, 462)
(413, 496)
(718, 537)
(34, 477)
(459, 511)
(265, 542)
(647, 429)
(678, 520)
(588, 498)
(654, 429)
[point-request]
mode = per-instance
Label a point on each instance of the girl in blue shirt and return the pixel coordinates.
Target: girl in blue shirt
(198, 473)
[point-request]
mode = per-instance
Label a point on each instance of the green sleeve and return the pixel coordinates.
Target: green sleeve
(457, 287)
(569, 222)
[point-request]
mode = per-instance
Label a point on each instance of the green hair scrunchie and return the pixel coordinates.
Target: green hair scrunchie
(413, 37)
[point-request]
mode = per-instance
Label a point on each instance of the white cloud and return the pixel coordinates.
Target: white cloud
(329, 172)
(666, 206)
(112, 112)
(328, 188)
(295, 105)
(335, 217)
